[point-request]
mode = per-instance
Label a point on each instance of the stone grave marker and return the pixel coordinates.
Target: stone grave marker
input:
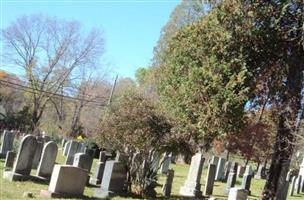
(66, 148)
(47, 162)
(192, 186)
(97, 176)
(38, 152)
(210, 179)
(166, 163)
(73, 149)
(227, 170)
(260, 173)
(241, 171)
(83, 161)
(292, 188)
(7, 142)
(23, 164)
(113, 180)
(66, 182)
(9, 160)
(220, 173)
(231, 177)
(168, 184)
(237, 194)
(247, 179)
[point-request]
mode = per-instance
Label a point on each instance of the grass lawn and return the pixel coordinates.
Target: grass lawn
(15, 190)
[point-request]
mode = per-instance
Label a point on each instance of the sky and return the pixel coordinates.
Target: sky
(130, 28)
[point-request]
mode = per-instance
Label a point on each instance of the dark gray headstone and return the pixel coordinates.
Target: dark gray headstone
(168, 184)
(210, 179)
(9, 160)
(165, 163)
(83, 161)
(38, 154)
(220, 170)
(7, 142)
(227, 170)
(260, 173)
(231, 177)
(292, 188)
(73, 149)
(247, 179)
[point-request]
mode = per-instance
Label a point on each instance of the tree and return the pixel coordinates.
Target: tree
(242, 52)
(134, 126)
(50, 51)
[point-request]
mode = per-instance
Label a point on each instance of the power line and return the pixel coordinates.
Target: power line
(31, 90)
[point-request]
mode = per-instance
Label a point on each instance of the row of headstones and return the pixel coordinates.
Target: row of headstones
(296, 183)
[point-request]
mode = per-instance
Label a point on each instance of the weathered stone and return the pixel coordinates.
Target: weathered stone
(9, 160)
(23, 165)
(192, 186)
(298, 185)
(73, 149)
(7, 141)
(63, 141)
(168, 184)
(214, 160)
(260, 173)
(97, 176)
(220, 172)
(66, 148)
(210, 179)
(247, 179)
(227, 170)
(165, 163)
(90, 152)
(38, 153)
(237, 194)
(231, 177)
(292, 188)
(48, 158)
(83, 161)
(113, 180)
(240, 171)
(102, 156)
(67, 181)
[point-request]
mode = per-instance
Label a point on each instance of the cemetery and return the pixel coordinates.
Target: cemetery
(141, 99)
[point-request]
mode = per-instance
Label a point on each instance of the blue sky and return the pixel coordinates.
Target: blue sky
(131, 28)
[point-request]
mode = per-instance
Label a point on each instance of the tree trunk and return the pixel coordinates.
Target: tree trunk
(276, 183)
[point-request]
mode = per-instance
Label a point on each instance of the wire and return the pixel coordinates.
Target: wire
(31, 90)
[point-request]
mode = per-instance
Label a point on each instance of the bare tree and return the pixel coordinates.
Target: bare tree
(50, 51)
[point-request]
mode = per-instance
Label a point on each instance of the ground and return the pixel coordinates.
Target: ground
(15, 190)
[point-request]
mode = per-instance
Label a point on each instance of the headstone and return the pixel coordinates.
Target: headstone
(240, 171)
(67, 181)
(90, 152)
(292, 188)
(80, 148)
(38, 153)
(97, 176)
(301, 172)
(113, 180)
(298, 185)
(168, 185)
(9, 160)
(220, 173)
(102, 156)
(23, 165)
(260, 173)
(155, 159)
(210, 179)
(247, 179)
(7, 142)
(166, 163)
(83, 161)
(214, 160)
(192, 186)
(227, 170)
(66, 148)
(47, 162)
(63, 141)
(237, 194)
(73, 149)
(231, 177)
(289, 176)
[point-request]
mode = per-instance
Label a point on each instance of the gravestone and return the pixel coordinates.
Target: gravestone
(47, 162)
(247, 179)
(38, 152)
(66, 182)
(301, 172)
(97, 176)
(90, 152)
(102, 156)
(83, 161)
(289, 176)
(66, 148)
(192, 186)
(168, 184)
(231, 177)
(220, 173)
(63, 141)
(292, 188)
(7, 142)
(166, 163)
(260, 173)
(155, 159)
(237, 194)
(73, 149)
(227, 170)
(210, 179)
(113, 180)
(298, 185)
(240, 171)
(23, 164)
(214, 160)
(9, 160)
